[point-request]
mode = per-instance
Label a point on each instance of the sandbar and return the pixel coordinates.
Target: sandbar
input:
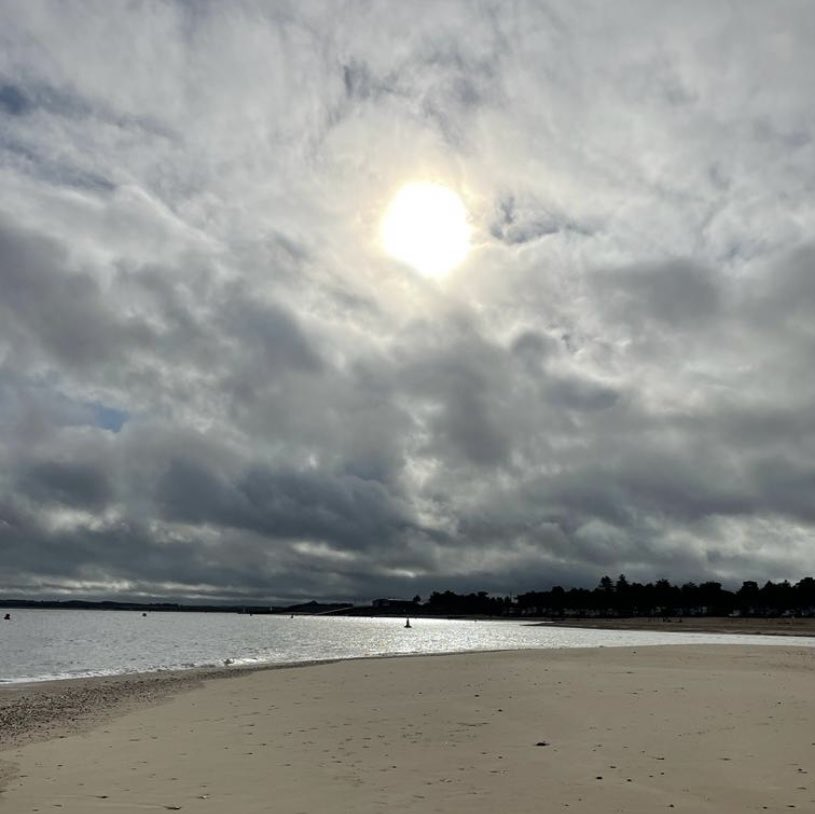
(739, 625)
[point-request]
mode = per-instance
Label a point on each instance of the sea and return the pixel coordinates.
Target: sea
(41, 645)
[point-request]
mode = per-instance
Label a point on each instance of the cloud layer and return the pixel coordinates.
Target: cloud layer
(214, 385)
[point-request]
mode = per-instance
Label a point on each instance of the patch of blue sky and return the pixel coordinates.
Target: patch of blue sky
(109, 418)
(20, 396)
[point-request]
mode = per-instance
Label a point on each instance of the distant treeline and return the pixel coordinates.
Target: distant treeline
(610, 598)
(159, 607)
(623, 598)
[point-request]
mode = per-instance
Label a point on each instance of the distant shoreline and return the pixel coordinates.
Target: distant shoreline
(737, 625)
(740, 625)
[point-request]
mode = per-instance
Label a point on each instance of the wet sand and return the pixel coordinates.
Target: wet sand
(701, 729)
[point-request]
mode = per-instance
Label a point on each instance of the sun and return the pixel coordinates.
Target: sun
(426, 227)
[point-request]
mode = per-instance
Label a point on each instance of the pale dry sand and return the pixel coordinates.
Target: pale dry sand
(694, 729)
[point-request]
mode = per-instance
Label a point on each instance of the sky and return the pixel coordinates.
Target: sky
(216, 385)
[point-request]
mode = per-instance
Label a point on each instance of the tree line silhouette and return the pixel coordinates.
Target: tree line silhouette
(611, 598)
(623, 598)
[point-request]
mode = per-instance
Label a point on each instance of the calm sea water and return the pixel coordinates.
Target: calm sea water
(41, 644)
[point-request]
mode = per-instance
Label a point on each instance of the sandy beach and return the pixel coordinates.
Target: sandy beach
(701, 729)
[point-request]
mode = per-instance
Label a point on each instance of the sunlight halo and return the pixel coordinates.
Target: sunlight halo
(426, 227)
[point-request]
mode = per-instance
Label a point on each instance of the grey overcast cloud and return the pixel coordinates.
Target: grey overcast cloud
(215, 383)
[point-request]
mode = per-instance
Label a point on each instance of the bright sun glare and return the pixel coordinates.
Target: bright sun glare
(425, 226)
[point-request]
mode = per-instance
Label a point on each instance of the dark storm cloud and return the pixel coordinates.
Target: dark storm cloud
(677, 294)
(343, 510)
(580, 394)
(66, 483)
(461, 378)
(34, 555)
(213, 383)
(63, 312)
(13, 101)
(270, 332)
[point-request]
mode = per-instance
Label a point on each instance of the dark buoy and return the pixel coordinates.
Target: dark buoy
(7, 617)
(144, 614)
(407, 622)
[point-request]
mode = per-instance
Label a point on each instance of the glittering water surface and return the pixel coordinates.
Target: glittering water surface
(42, 644)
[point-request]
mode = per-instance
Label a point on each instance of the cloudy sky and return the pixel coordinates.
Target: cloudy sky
(214, 383)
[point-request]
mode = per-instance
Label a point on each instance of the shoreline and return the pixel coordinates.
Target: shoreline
(37, 711)
(41, 710)
(701, 728)
(736, 626)
(719, 626)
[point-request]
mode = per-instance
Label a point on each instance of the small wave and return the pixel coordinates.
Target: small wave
(111, 673)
